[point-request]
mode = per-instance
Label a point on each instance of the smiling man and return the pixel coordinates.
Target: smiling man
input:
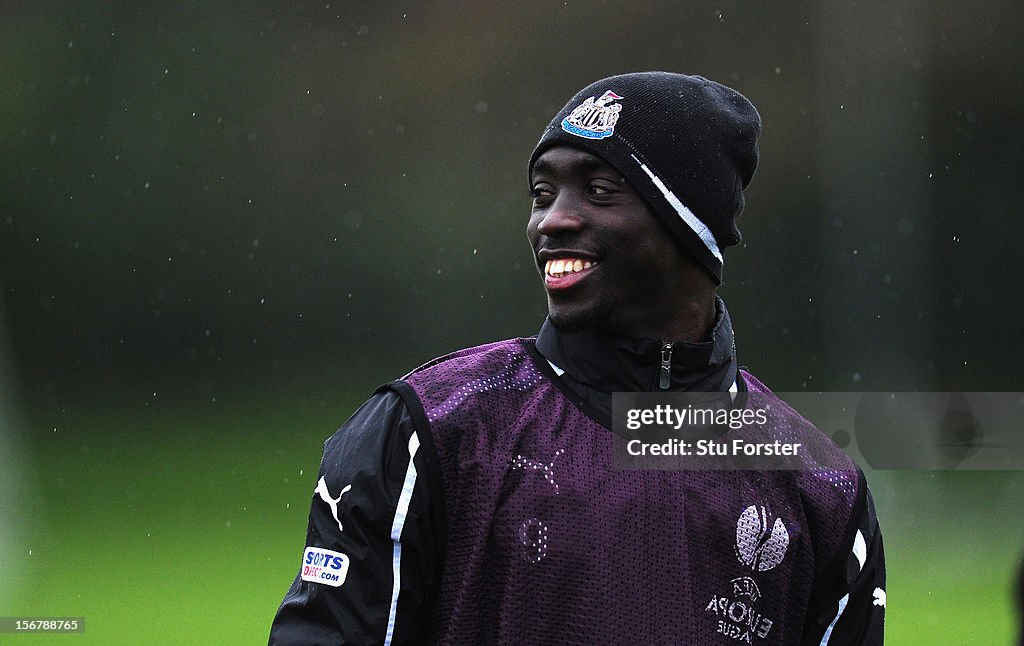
(474, 501)
(609, 264)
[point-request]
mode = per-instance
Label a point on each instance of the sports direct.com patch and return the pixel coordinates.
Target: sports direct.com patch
(324, 566)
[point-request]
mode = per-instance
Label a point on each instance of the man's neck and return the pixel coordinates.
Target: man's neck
(696, 323)
(609, 362)
(689, 314)
(691, 321)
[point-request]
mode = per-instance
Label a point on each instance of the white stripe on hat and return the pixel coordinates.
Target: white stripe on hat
(691, 220)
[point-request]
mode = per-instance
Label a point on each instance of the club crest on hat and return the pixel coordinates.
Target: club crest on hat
(594, 119)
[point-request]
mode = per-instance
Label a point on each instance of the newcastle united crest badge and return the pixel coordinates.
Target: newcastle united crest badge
(594, 119)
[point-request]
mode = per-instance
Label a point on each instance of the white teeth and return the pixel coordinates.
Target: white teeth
(557, 268)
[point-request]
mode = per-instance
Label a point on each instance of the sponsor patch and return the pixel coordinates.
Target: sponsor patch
(324, 566)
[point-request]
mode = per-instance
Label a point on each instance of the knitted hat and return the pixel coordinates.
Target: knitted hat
(687, 145)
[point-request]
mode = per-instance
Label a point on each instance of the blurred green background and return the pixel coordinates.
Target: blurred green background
(222, 226)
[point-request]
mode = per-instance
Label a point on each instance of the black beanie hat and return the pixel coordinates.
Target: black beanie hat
(687, 145)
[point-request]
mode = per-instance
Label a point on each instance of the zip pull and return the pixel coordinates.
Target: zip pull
(665, 372)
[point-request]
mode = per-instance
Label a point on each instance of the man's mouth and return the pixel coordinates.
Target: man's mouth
(563, 266)
(562, 273)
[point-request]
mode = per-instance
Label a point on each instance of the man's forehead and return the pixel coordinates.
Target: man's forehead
(563, 157)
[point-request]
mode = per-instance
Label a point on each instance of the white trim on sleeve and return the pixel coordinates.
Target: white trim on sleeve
(396, 534)
(828, 631)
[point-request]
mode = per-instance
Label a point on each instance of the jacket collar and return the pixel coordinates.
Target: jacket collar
(620, 364)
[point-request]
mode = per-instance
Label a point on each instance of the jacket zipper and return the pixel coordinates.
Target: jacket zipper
(665, 371)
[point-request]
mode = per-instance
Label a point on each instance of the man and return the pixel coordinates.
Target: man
(474, 501)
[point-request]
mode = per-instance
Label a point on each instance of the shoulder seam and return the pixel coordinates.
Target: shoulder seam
(458, 354)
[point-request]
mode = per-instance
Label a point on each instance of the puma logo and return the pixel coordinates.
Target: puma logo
(325, 495)
(519, 462)
(879, 597)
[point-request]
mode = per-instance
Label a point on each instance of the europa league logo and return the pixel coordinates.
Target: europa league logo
(758, 545)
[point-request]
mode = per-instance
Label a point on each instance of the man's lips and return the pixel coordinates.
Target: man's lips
(566, 271)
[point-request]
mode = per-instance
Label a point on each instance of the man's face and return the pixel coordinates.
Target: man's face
(606, 260)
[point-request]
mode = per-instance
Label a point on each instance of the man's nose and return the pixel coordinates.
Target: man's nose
(564, 216)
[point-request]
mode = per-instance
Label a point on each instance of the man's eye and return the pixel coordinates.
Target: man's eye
(540, 191)
(598, 189)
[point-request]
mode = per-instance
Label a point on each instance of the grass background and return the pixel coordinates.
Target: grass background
(183, 524)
